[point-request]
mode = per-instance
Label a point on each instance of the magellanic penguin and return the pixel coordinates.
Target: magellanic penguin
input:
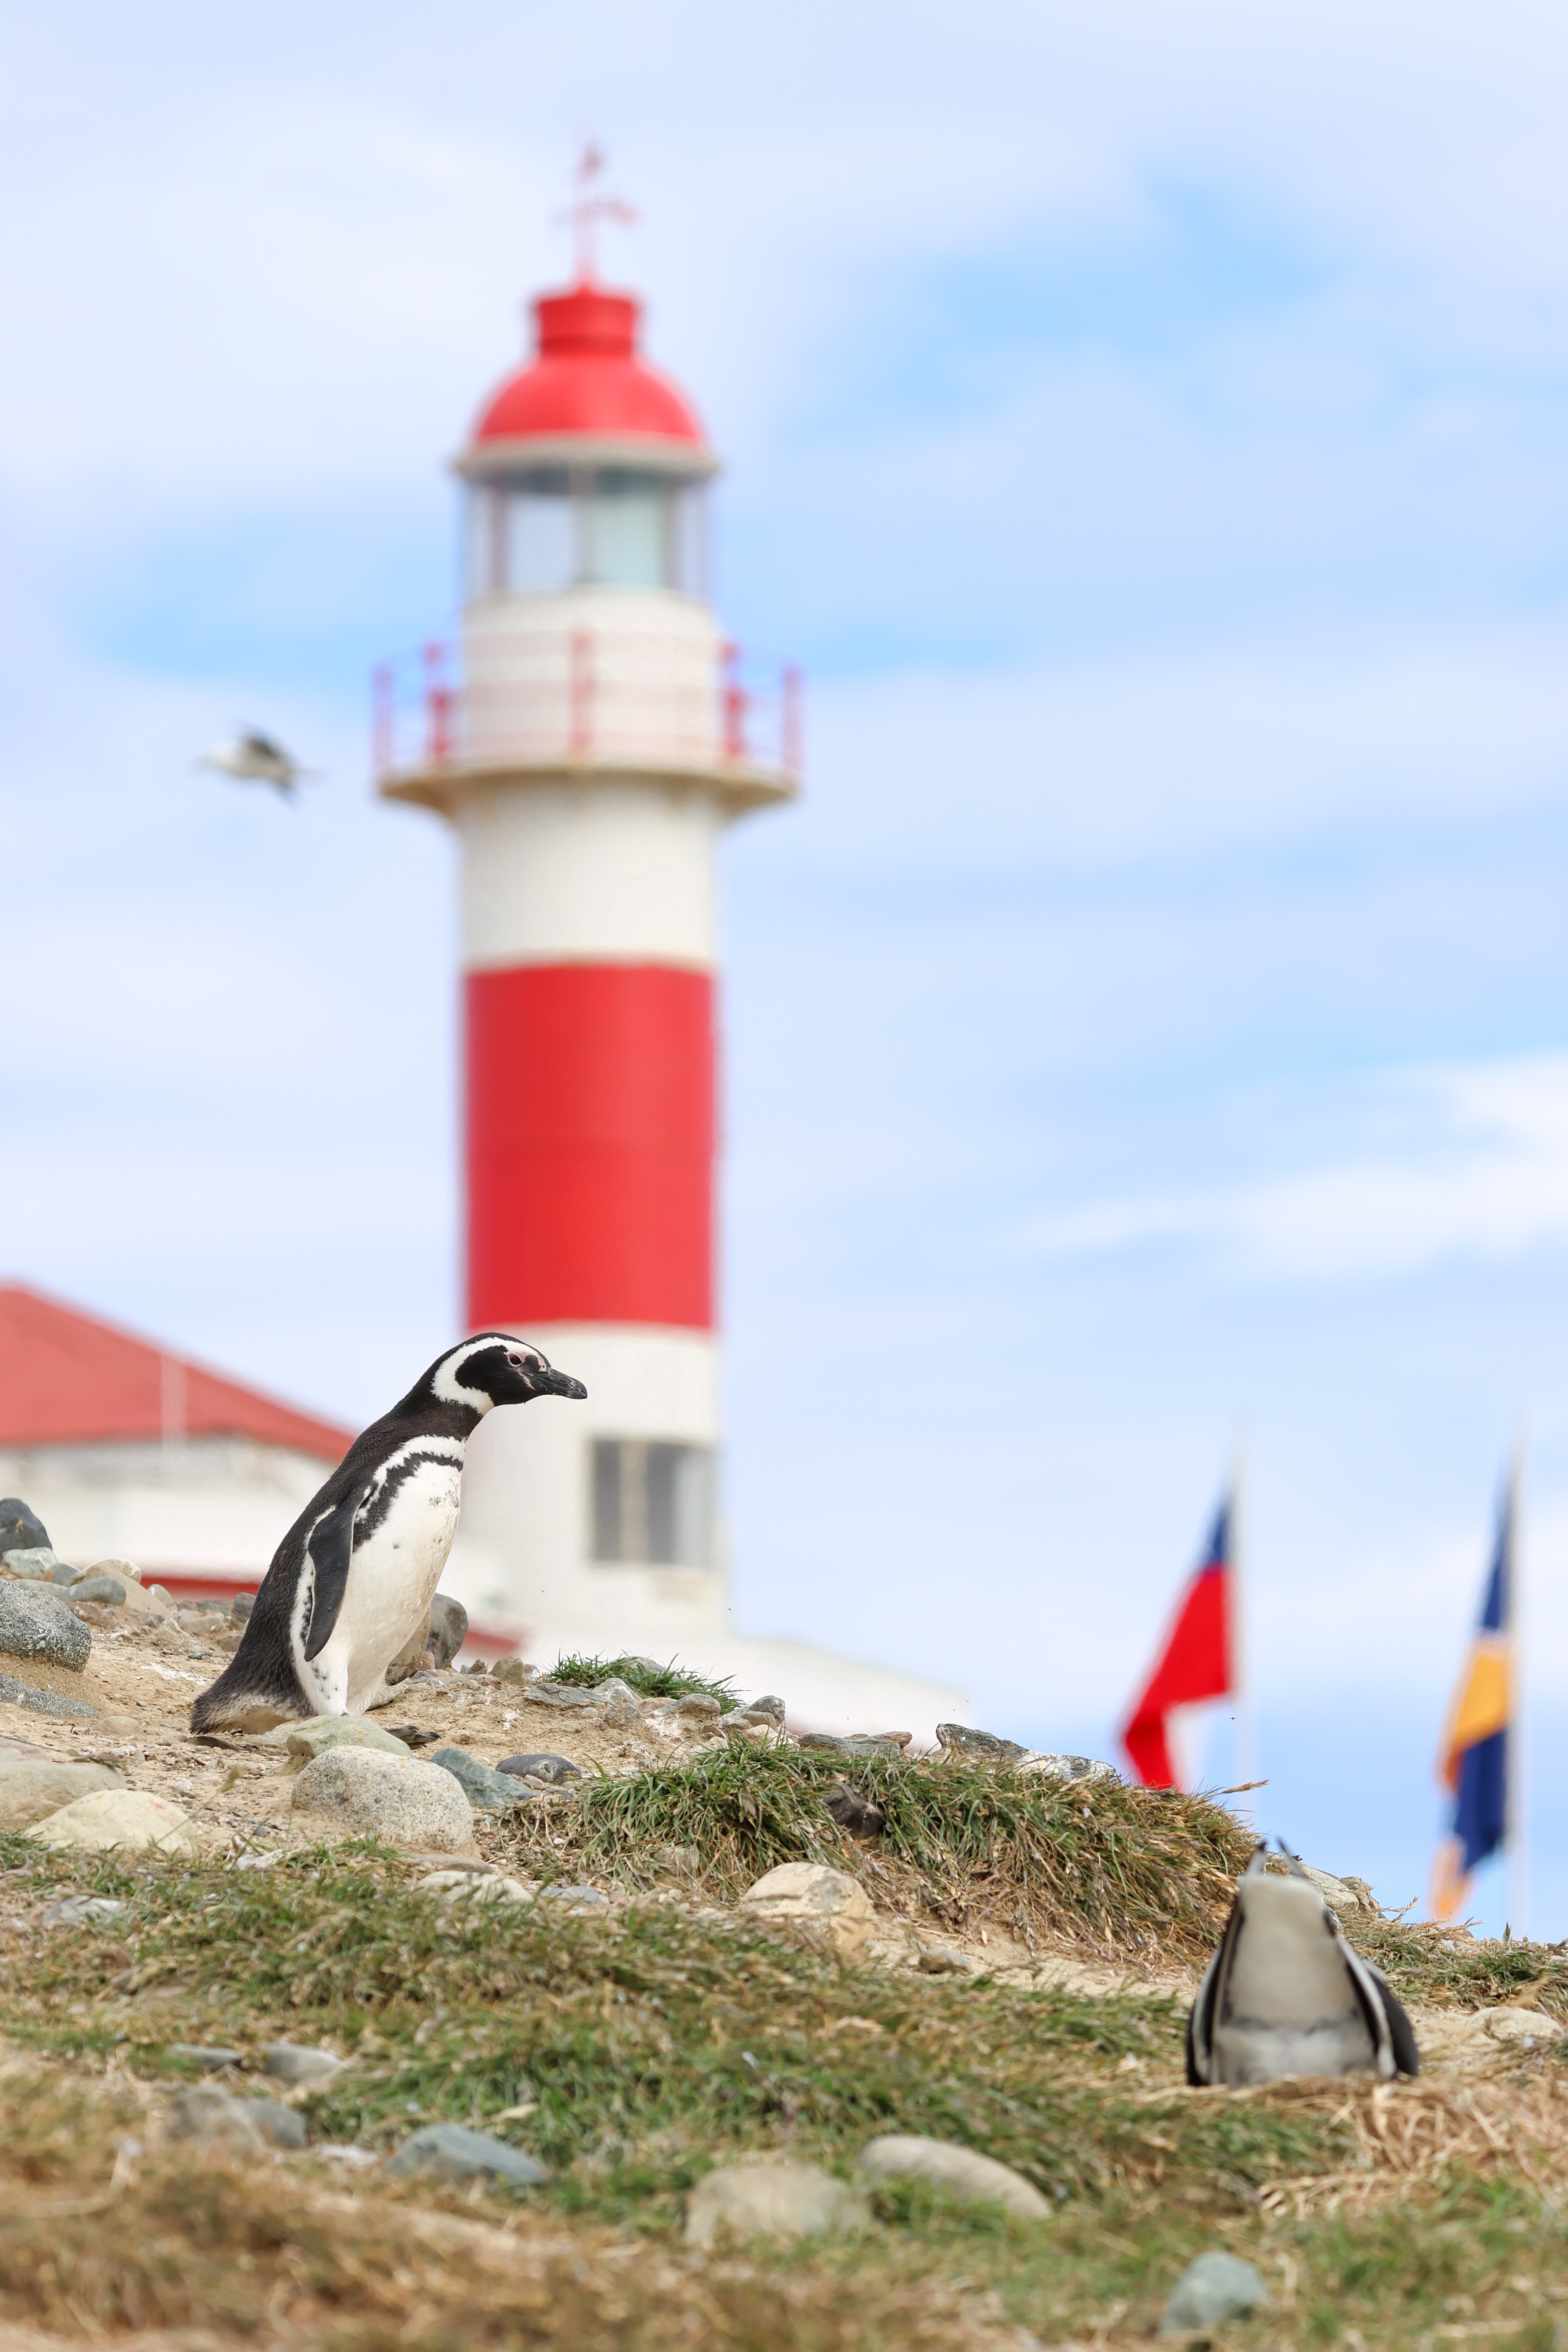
(353, 1579)
(1285, 1995)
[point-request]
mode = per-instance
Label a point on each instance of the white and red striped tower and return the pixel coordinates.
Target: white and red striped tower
(589, 738)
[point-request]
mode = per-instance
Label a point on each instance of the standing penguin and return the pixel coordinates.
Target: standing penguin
(354, 1576)
(1285, 1995)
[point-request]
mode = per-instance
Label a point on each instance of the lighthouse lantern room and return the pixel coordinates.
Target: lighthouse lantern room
(589, 736)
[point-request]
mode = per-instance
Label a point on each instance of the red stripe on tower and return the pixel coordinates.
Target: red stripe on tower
(590, 1145)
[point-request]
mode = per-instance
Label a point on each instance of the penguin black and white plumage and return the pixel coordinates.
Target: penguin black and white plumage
(1285, 1994)
(353, 1579)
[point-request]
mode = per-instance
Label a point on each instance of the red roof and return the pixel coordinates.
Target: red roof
(66, 1379)
(588, 378)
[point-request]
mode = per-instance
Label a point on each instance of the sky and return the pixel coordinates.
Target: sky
(1146, 1040)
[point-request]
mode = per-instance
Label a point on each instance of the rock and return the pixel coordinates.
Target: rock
(475, 1666)
(83, 1911)
(20, 1528)
(36, 1564)
(941, 1960)
(200, 2053)
(463, 1889)
(362, 1793)
(125, 1570)
(280, 2125)
(449, 1628)
(513, 1670)
(697, 1707)
(106, 1589)
(577, 1902)
(960, 1742)
(771, 2200)
(304, 1740)
(1343, 1895)
(808, 1892)
(679, 1861)
(484, 1786)
(31, 1788)
(1216, 2287)
(398, 1669)
(37, 1624)
(217, 2119)
(554, 1768)
(452, 2152)
(1067, 1768)
(863, 1743)
(965, 2174)
(41, 1701)
(292, 2062)
(773, 1708)
(131, 1818)
(855, 1813)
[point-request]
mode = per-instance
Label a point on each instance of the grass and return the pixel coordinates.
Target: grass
(654, 1682)
(1126, 1873)
(632, 2054)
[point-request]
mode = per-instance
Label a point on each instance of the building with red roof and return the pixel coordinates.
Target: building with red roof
(128, 1449)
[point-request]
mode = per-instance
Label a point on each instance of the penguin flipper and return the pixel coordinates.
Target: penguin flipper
(1200, 2028)
(330, 1544)
(1393, 2035)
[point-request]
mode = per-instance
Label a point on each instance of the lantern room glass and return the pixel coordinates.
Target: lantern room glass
(551, 527)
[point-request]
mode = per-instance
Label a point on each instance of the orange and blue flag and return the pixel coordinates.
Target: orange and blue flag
(1475, 1763)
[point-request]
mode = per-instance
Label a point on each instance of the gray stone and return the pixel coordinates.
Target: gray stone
(20, 1528)
(965, 2174)
(280, 2125)
(492, 1791)
(360, 1792)
(1216, 2287)
(37, 1624)
(35, 1563)
(106, 1590)
(449, 1628)
(323, 1731)
(452, 2152)
(769, 1706)
(554, 1768)
(29, 1790)
(514, 1670)
(972, 1747)
(697, 1707)
(577, 1902)
(771, 2200)
(293, 2064)
(866, 1743)
(42, 1702)
(398, 1669)
(941, 1960)
(1067, 1768)
(83, 1911)
(217, 2119)
(210, 2061)
(129, 1819)
(830, 1901)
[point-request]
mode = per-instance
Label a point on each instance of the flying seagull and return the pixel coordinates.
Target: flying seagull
(252, 758)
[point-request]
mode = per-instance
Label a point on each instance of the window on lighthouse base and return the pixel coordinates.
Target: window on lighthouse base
(652, 1503)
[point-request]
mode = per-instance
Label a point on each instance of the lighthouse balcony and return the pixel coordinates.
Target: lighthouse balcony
(584, 700)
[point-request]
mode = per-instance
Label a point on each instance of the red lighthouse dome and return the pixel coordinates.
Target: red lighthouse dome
(586, 376)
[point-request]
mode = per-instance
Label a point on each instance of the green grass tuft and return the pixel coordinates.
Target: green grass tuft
(654, 1682)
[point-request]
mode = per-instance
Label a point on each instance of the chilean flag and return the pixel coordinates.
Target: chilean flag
(1196, 1663)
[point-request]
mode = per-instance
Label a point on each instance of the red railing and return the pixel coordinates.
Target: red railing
(587, 698)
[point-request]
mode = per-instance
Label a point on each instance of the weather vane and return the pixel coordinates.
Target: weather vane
(589, 207)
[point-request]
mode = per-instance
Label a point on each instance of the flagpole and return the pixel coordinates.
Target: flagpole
(1518, 1815)
(1244, 1745)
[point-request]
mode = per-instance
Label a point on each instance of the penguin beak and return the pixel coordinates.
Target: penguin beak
(548, 1381)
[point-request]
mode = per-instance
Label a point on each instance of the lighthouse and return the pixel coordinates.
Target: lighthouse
(589, 736)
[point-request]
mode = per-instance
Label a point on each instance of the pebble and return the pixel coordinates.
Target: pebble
(467, 1889)
(217, 2118)
(513, 1670)
(31, 1789)
(1216, 2287)
(452, 2152)
(293, 2063)
(105, 1589)
(828, 1900)
(554, 1768)
(360, 1792)
(323, 1731)
(449, 1628)
(941, 1960)
(971, 1746)
(697, 1707)
(1067, 1768)
(42, 1702)
(772, 2200)
(37, 1624)
(484, 1786)
(280, 2125)
(83, 1911)
(20, 1528)
(128, 1818)
(197, 2053)
(966, 2176)
(577, 1902)
(35, 1563)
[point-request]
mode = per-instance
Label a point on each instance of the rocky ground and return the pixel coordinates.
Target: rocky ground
(691, 2035)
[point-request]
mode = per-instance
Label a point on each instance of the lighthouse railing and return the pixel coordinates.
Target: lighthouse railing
(584, 698)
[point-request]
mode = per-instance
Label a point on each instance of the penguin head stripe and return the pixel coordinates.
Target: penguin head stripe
(497, 1369)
